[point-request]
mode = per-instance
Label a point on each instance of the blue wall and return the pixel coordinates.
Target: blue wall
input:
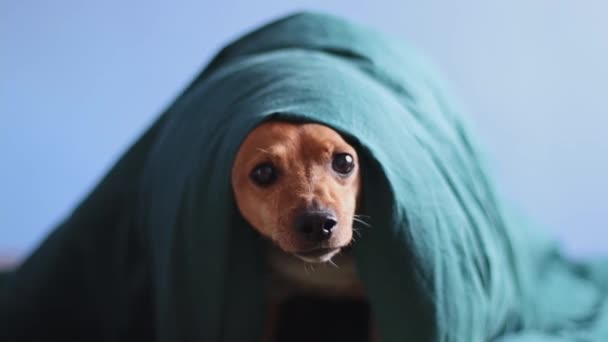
(80, 80)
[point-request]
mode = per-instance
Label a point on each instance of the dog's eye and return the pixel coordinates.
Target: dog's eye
(343, 163)
(264, 174)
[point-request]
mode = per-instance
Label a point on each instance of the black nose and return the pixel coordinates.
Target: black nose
(316, 226)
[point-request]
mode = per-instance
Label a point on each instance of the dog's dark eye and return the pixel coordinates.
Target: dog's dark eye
(264, 174)
(343, 163)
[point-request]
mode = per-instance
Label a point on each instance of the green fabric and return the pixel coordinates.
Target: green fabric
(158, 248)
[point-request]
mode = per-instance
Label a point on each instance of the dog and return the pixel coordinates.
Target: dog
(298, 185)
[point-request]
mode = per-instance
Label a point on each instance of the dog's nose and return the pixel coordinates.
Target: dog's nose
(316, 226)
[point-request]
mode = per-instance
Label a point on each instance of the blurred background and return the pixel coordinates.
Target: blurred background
(80, 80)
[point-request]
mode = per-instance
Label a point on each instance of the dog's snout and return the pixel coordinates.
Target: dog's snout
(316, 226)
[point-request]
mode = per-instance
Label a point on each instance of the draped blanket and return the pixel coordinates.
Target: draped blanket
(158, 250)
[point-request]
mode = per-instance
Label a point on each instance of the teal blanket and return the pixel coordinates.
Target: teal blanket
(158, 250)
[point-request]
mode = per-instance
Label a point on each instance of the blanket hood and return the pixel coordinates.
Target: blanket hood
(445, 258)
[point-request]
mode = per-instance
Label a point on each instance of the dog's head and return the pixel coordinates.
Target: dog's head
(298, 185)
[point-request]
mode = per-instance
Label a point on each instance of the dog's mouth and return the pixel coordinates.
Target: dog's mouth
(318, 255)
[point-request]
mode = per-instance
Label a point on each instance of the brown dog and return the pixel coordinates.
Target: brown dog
(298, 186)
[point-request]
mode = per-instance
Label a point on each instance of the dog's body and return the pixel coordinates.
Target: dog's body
(320, 286)
(286, 171)
(290, 276)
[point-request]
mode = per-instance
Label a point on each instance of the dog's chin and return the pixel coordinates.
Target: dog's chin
(318, 256)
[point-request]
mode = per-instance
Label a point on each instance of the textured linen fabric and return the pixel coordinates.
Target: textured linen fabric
(159, 251)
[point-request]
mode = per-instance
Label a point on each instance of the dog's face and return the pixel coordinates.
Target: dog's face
(298, 185)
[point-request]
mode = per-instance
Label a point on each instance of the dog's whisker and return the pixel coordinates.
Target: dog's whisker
(331, 262)
(358, 219)
(361, 221)
(274, 236)
(263, 150)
